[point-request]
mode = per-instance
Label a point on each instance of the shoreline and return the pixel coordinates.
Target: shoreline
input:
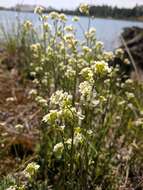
(94, 17)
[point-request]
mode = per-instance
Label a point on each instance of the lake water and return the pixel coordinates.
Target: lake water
(108, 30)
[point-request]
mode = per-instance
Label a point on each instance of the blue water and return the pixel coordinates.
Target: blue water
(108, 30)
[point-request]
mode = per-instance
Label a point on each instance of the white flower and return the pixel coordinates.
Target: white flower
(130, 95)
(58, 147)
(85, 89)
(31, 169)
(84, 8)
(70, 40)
(108, 56)
(45, 17)
(91, 33)
(35, 81)
(87, 73)
(70, 73)
(33, 92)
(54, 15)
(99, 45)
(138, 122)
(35, 47)
(69, 28)
(89, 132)
(11, 99)
(122, 103)
(86, 49)
(101, 67)
(41, 101)
(78, 139)
(61, 98)
(39, 10)
(58, 150)
(51, 117)
(127, 61)
(63, 17)
(75, 19)
(27, 25)
(19, 126)
(38, 69)
(119, 53)
(129, 81)
(46, 27)
(44, 81)
(12, 188)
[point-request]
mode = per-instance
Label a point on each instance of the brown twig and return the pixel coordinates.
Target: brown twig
(130, 56)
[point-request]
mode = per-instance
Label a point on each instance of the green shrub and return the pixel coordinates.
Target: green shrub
(91, 131)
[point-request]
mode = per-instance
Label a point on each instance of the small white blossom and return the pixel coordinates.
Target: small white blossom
(69, 28)
(41, 101)
(75, 19)
(58, 147)
(127, 62)
(39, 10)
(84, 8)
(85, 89)
(31, 169)
(86, 49)
(61, 98)
(51, 117)
(27, 25)
(91, 33)
(54, 15)
(62, 17)
(130, 95)
(101, 67)
(119, 53)
(87, 73)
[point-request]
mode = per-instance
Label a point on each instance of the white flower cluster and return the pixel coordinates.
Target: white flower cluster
(39, 10)
(91, 33)
(27, 25)
(63, 99)
(84, 8)
(41, 101)
(85, 88)
(35, 47)
(75, 19)
(119, 53)
(101, 68)
(31, 170)
(87, 73)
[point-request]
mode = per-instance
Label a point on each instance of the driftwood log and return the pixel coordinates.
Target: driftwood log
(132, 43)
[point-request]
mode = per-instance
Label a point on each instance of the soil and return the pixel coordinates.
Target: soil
(16, 144)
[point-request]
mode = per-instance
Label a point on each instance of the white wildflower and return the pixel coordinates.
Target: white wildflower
(51, 117)
(127, 61)
(87, 73)
(31, 169)
(69, 28)
(58, 147)
(85, 89)
(86, 49)
(33, 92)
(41, 101)
(84, 8)
(54, 15)
(75, 19)
(27, 25)
(62, 17)
(39, 10)
(130, 95)
(119, 53)
(101, 67)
